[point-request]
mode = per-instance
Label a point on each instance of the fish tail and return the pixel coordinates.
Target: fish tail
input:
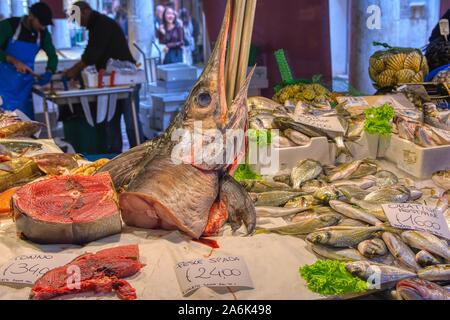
(261, 231)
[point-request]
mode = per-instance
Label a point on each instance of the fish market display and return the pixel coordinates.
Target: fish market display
(419, 289)
(349, 197)
(168, 194)
(101, 272)
(11, 126)
(67, 209)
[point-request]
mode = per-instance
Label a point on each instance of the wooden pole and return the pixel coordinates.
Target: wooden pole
(249, 19)
(234, 47)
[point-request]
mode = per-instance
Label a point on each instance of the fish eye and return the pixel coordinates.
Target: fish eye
(204, 99)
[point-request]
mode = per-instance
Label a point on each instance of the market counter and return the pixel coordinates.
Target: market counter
(273, 262)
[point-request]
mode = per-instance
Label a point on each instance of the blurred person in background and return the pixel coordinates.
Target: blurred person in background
(121, 18)
(171, 35)
(107, 41)
(189, 41)
(159, 12)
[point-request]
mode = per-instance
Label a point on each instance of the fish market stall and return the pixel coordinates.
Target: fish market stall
(187, 216)
(70, 97)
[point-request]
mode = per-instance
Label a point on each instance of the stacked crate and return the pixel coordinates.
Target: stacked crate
(174, 81)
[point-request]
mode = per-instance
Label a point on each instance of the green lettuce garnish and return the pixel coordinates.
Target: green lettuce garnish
(329, 277)
(379, 119)
(261, 137)
(244, 172)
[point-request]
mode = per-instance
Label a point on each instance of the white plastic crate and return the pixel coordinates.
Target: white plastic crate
(366, 147)
(91, 79)
(413, 159)
(318, 149)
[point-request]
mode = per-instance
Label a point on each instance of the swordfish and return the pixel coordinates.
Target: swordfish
(162, 187)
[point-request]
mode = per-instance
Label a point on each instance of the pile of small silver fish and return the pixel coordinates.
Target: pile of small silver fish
(433, 131)
(338, 211)
(265, 114)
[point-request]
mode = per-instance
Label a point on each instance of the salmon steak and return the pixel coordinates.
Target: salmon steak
(67, 209)
(100, 272)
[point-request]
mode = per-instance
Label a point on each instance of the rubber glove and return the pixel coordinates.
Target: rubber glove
(45, 78)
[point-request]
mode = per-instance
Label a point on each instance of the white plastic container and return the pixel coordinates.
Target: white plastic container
(366, 147)
(91, 79)
(287, 158)
(413, 159)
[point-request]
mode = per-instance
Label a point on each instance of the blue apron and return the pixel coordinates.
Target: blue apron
(15, 87)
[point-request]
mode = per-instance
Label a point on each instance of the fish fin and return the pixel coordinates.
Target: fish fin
(261, 231)
(239, 204)
(125, 166)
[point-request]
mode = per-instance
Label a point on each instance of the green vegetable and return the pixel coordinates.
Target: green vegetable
(261, 137)
(379, 119)
(329, 277)
(244, 172)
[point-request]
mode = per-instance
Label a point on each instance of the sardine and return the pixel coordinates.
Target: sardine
(400, 251)
(347, 222)
(426, 259)
(283, 178)
(435, 273)
(297, 137)
(374, 209)
(398, 194)
(386, 178)
(342, 237)
(304, 171)
(337, 254)
(277, 212)
(275, 198)
(326, 194)
(353, 212)
(258, 186)
(312, 186)
(305, 202)
(363, 183)
(372, 248)
(305, 226)
(428, 242)
(385, 274)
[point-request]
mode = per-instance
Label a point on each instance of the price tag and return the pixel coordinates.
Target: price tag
(28, 268)
(213, 272)
(417, 217)
(323, 123)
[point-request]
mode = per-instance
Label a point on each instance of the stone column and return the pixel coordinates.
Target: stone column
(366, 28)
(141, 26)
(17, 8)
(402, 24)
(5, 9)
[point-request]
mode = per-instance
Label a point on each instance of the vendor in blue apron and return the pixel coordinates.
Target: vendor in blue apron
(21, 38)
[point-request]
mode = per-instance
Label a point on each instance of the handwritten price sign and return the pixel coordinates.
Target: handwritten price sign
(213, 272)
(324, 123)
(28, 268)
(417, 217)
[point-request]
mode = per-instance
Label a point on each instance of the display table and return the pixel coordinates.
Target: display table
(273, 260)
(69, 97)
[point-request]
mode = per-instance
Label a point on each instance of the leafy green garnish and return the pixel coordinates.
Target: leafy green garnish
(329, 277)
(244, 172)
(378, 119)
(261, 137)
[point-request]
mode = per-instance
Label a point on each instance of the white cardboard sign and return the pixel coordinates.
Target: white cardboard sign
(417, 217)
(324, 123)
(229, 271)
(28, 268)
